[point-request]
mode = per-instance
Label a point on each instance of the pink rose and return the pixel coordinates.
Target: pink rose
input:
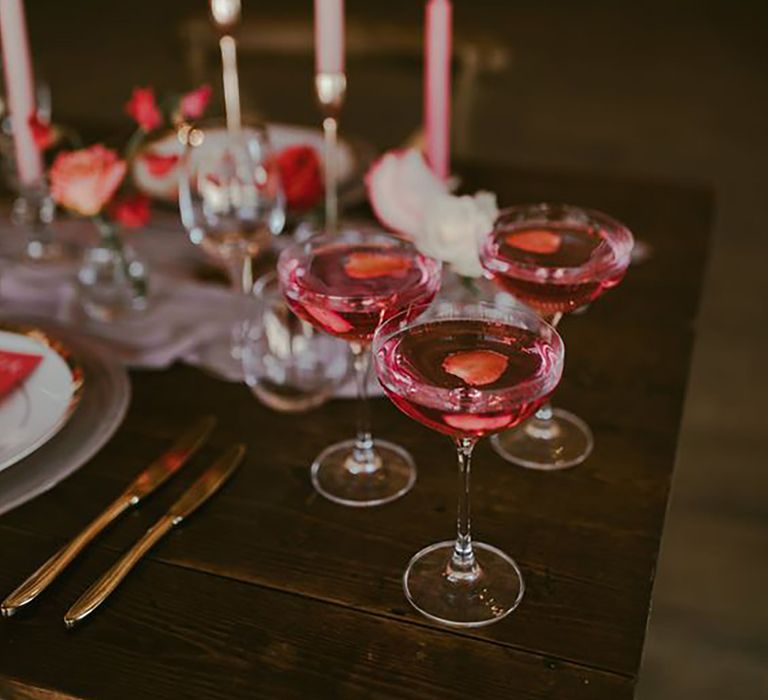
(142, 107)
(194, 103)
(400, 188)
(132, 211)
(85, 180)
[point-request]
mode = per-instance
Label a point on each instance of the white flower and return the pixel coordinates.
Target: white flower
(453, 228)
(401, 187)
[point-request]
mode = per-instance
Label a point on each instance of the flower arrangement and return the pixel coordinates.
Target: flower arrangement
(91, 181)
(86, 182)
(409, 199)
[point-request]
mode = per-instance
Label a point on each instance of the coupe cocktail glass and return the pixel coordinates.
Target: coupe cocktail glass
(346, 285)
(555, 258)
(466, 370)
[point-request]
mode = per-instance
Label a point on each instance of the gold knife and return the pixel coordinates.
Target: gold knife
(151, 478)
(197, 494)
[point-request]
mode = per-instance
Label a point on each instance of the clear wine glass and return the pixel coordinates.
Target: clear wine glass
(289, 364)
(555, 258)
(231, 203)
(466, 371)
(346, 284)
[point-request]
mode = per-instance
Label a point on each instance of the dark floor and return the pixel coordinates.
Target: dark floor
(671, 90)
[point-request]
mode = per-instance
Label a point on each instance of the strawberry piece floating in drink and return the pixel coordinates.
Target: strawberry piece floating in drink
(538, 241)
(367, 265)
(476, 367)
(328, 319)
(466, 422)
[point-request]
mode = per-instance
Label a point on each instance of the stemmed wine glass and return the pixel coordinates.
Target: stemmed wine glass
(231, 202)
(346, 284)
(556, 258)
(466, 371)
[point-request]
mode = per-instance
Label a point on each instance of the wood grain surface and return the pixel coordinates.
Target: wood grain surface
(272, 592)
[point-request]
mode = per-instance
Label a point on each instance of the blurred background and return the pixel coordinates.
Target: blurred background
(659, 90)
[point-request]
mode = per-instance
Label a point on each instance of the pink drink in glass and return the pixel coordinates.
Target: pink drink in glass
(347, 289)
(556, 258)
(466, 370)
(556, 267)
(466, 378)
(347, 284)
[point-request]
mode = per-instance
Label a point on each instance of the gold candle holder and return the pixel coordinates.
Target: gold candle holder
(331, 89)
(226, 16)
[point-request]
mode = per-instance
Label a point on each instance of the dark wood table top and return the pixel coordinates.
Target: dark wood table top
(272, 592)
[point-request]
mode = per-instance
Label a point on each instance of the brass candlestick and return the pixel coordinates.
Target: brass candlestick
(331, 89)
(226, 16)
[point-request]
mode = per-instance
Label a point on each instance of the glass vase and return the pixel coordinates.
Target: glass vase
(112, 281)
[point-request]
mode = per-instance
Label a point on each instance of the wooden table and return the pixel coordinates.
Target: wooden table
(273, 592)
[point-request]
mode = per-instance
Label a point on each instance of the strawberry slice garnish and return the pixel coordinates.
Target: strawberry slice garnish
(535, 241)
(468, 423)
(363, 266)
(328, 319)
(476, 367)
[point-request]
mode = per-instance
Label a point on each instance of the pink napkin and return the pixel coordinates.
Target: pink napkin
(15, 367)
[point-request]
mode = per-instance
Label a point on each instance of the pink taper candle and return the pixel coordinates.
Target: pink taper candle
(329, 36)
(20, 91)
(437, 86)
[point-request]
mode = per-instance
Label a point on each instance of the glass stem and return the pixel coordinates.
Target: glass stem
(541, 426)
(363, 456)
(463, 565)
(553, 319)
(241, 274)
(241, 277)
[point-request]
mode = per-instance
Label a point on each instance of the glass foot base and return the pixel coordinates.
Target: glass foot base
(333, 479)
(486, 599)
(560, 443)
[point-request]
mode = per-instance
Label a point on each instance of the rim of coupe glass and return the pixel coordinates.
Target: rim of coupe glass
(539, 387)
(297, 252)
(616, 234)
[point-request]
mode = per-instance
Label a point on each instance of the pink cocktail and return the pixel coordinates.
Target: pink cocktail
(555, 258)
(466, 370)
(347, 288)
(346, 285)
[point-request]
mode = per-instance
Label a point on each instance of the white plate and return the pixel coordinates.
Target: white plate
(104, 398)
(34, 412)
(280, 136)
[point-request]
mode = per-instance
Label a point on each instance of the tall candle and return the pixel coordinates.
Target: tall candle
(20, 90)
(437, 86)
(329, 36)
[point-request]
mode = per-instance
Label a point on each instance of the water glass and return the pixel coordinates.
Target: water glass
(288, 364)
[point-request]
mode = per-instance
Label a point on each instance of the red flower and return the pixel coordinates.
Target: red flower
(300, 171)
(194, 103)
(159, 164)
(131, 211)
(42, 132)
(143, 108)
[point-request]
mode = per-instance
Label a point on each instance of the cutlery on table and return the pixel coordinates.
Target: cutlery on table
(150, 479)
(197, 494)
